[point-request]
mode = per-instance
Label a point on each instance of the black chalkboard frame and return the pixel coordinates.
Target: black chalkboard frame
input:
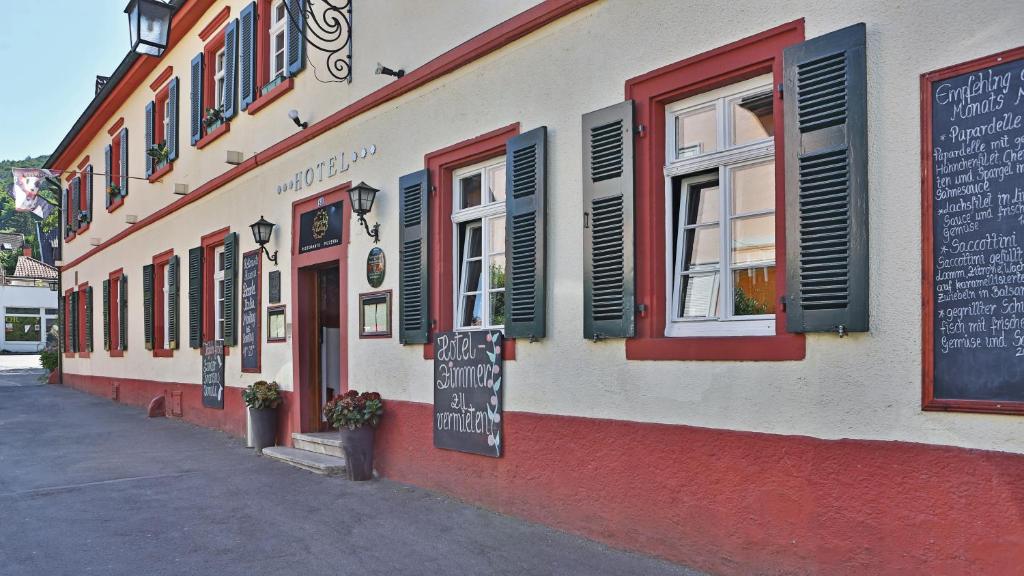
(928, 399)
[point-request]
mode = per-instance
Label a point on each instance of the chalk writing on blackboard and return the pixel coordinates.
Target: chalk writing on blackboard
(468, 392)
(251, 311)
(213, 374)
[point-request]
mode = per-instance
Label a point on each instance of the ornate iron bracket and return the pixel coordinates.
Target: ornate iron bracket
(328, 29)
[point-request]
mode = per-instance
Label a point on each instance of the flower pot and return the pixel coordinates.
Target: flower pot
(358, 447)
(264, 428)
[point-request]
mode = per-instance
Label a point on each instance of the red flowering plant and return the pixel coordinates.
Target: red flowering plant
(353, 410)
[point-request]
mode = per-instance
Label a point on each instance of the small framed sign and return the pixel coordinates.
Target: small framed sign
(275, 287)
(375, 315)
(276, 324)
(375, 267)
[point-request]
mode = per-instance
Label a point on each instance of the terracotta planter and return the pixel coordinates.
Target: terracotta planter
(358, 447)
(264, 428)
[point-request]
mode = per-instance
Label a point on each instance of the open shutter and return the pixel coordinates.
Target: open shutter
(150, 120)
(122, 325)
(172, 121)
(827, 183)
(147, 304)
(526, 177)
(106, 314)
(124, 161)
(88, 319)
(247, 55)
(73, 314)
(172, 302)
(197, 98)
(230, 291)
(108, 178)
(195, 297)
(87, 180)
(296, 55)
(65, 203)
(231, 70)
(413, 279)
(76, 199)
(608, 282)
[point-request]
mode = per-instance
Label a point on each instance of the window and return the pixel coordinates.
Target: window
(113, 315)
(218, 79)
(22, 328)
(479, 221)
(165, 308)
(218, 292)
(721, 178)
(278, 46)
(113, 178)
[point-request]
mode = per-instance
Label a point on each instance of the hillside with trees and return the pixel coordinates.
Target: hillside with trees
(11, 220)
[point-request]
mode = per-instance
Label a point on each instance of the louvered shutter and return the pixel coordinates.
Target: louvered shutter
(65, 203)
(231, 70)
(827, 183)
(172, 302)
(88, 319)
(124, 162)
(247, 55)
(108, 178)
(195, 297)
(87, 179)
(106, 314)
(172, 123)
(296, 54)
(526, 177)
(76, 199)
(150, 120)
(73, 314)
(608, 289)
(230, 290)
(147, 304)
(122, 320)
(412, 271)
(196, 104)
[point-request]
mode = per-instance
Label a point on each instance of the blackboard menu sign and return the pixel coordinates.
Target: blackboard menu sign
(251, 275)
(213, 374)
(275, 286)
(320, 228)
(973, 236)
(467, 392)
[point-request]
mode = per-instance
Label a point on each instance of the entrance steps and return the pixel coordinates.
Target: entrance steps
(317, 452)
(328, 443)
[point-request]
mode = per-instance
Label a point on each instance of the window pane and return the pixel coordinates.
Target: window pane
(497, 271)
(279, 12)
(753, 118)
(496, 184)
(753, 188)
(22, 329)
(755, 291)
(471, 313)
(13, 310)
(472, 275)
(475, 247)
(51, 311)
(697, 132)
(497, 308)
(497, 238)
(753, 239)
(702, 247)
(470, 191)
(703, 203)
(699, 296)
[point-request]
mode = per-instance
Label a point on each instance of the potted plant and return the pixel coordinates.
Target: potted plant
(159, 153)
(356, 417)
(214, 118)
(114, 190)
(263, 399)
(83, 217)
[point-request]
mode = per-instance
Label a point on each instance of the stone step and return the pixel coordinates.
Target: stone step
(319, 463)
(320, 442)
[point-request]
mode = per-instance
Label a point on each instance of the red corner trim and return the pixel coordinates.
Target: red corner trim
(163, 77)
(116, 126)
(214, 24)
(213, 135)
(83, 163)
(264, 100)
(156, 176)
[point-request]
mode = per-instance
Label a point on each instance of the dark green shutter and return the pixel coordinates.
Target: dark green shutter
(147, 304)
(172, 302)
(412, 271)
(197, 98)
(230, 291)
(195, 297)
(150, 120)
(106, 314)
(231, 70)
(65, 206)
(296, 52)
(87, 180)
(247, 55)
(122, 320)
(526, 178)
(108, 178)
(827, 183)
(124, 162)
(172, 121)
(76, 200)
(88, 319)
(73, 314)
(608, 277)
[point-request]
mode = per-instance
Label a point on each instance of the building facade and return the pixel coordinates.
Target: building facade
(690, 368)
(29, 298)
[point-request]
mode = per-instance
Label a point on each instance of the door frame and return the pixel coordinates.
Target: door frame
(305, 326)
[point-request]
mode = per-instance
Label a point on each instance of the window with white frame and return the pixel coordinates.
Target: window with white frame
(166, 133)
(278, 24)
(478, 218)
(218, 79)
(218, 292)
(720, 212)
(165, 274)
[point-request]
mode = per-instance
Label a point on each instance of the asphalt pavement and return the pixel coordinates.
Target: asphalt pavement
(88, 486)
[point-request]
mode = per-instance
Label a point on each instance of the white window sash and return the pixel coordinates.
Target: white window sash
(486, 213)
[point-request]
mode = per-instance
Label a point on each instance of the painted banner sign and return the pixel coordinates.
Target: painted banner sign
(213, 374)
(28, 184)
(467, 392)
(320, 228)
(251, 274)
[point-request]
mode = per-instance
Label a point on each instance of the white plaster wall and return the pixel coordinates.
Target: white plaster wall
(864, 386)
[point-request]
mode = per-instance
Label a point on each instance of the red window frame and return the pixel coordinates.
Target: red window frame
(651, 93)
(83, 348)
(262, 57)
(115, 171)
(68, 224)
(441, 165)
(67, 324)
(210, 243)
(160, 262)
(209, 90)
(83, 198)
(114, 316)
(159, 101)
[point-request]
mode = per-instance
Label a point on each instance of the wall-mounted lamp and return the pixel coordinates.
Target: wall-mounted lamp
(294, 115)
(130, 218)
(234, 157)
(180, 189)
(149, 23)
(261, 231)
(361, 197)
(382, 69)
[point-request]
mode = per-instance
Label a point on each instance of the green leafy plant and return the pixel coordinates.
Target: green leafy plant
(747, 306)
(114, 190)
(354, 410)
(214, 117)
(49, 358)
(262, 395)
(159, 153)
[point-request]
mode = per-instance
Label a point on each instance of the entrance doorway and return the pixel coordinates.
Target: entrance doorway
(329, 330)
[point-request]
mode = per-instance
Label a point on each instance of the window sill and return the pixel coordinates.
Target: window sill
(69, 238)
(82, 230)
(163, 353)
(115, 204)
(213, 135)
(160, 173)
(264, 100)
(83, 354)
(117, 353)
(780, 347)
(69, 354)
(508, 349)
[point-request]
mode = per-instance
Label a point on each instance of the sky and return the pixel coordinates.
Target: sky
(51, 52)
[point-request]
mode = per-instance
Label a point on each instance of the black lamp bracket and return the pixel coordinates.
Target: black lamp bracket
(272, 258)
(374, 233)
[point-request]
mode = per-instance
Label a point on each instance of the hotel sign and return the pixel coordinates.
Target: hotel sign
(325, 169)
(320, 228)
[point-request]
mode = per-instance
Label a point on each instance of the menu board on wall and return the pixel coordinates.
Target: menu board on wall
(250, 327)
(973, 237)
(213, 374)
(467, 392)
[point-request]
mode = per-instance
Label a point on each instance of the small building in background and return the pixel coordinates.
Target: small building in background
(29, 301)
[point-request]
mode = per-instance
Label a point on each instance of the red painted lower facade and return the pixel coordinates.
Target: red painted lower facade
(723, 501)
